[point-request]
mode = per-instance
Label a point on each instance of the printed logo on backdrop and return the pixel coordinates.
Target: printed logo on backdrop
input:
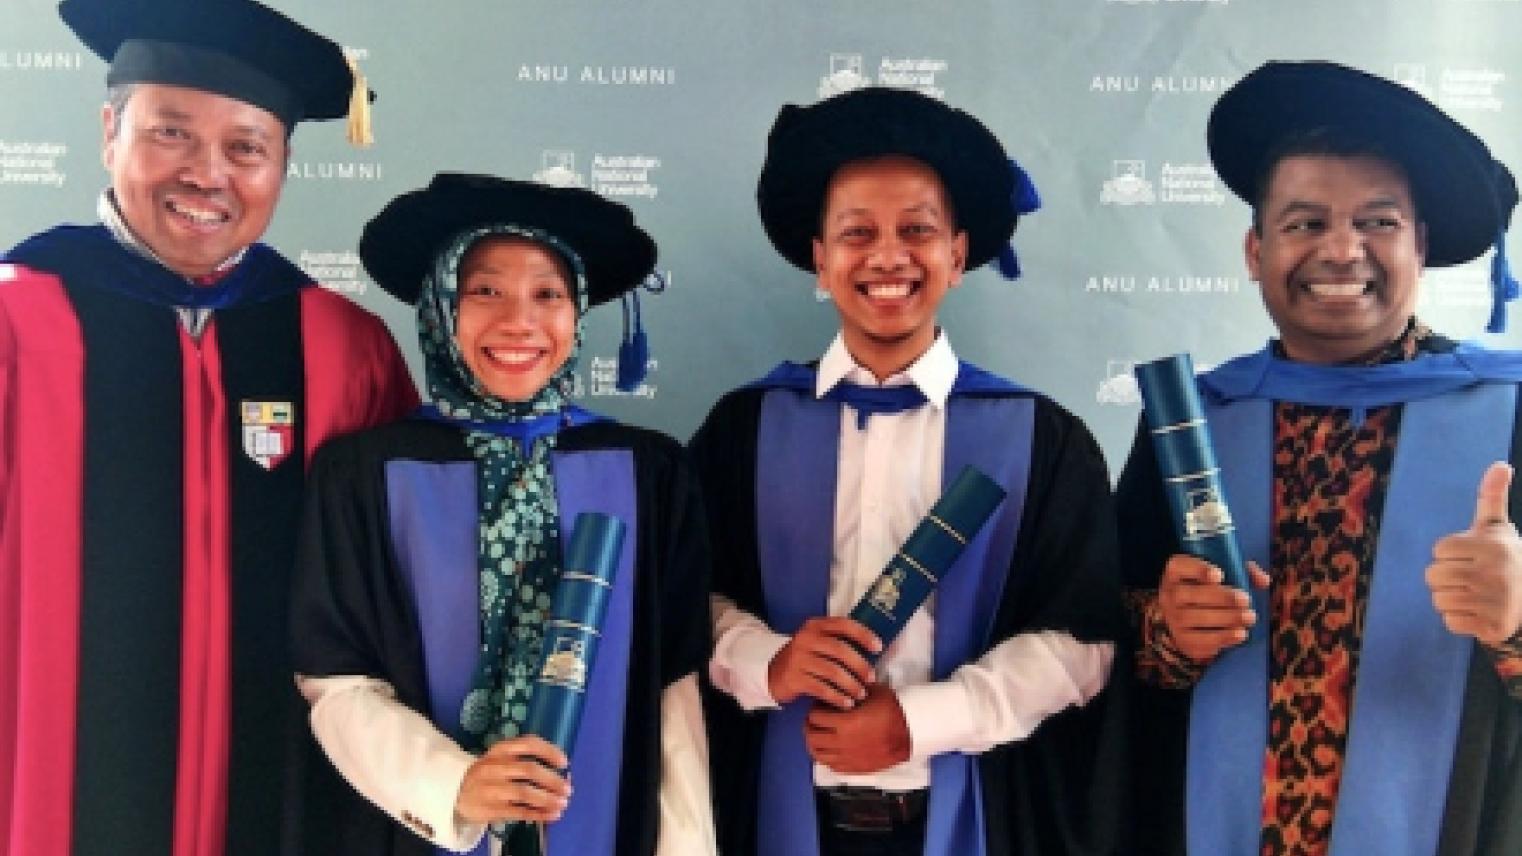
(1170, 2)
(557, 168)
(596, 75)
(1455, 88)
(598, 375)
(616, 176)
(848, 71)
(1464, 287)
(1119, 387)
(846, 74)
(1162, 285)
(335, 171)
(20, 61)
(1128, 184)
(335, 270)
(599, 379)
(33, 163)
(1177, 184)
(1161, 84)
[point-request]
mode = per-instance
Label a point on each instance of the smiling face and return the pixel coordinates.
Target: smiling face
(195, 175)
(1339, 255)
(517, 318)
(888, 252)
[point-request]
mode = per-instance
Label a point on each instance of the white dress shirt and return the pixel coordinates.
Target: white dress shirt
(400, 761)
(888, 476)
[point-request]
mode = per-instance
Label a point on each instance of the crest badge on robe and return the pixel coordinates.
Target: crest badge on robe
(269, 431)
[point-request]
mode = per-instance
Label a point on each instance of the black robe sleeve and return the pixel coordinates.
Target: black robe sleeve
(350, 615)
(1061, 791)
(724, 456)
(1159, 721)
(1064, 789)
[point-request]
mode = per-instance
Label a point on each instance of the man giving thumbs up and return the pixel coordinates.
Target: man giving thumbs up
(1376, 704)
(1476, 575)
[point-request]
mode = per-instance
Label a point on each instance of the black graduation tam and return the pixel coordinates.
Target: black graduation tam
(808, 144)
(399, 245)
(1462, 194)
(238, 48)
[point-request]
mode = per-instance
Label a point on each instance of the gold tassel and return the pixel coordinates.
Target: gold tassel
(360, 133)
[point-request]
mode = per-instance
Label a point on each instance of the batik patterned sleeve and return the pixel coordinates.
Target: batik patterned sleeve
(1159, 661)
(1146, 541)
(1507, 657)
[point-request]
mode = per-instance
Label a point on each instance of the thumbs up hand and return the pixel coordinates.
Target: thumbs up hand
(1476, 575)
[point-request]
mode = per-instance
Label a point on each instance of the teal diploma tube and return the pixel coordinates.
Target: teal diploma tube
(1186, 458)
(574, 627)
(930, 550)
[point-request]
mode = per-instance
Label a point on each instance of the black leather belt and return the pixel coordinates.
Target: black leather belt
(855, 809)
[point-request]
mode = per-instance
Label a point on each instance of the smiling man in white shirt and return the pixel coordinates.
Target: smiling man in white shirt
(977, 731)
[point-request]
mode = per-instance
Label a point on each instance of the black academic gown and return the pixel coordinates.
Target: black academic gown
(1060, 791)
(353, 614)
(1483, 816)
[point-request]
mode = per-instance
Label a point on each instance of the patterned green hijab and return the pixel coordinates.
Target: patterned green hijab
(519, 547)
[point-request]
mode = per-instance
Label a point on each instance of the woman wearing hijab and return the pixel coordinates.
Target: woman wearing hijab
(431, 550)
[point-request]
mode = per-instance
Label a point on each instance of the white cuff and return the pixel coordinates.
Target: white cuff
(686, 806)
(940, 716)
(1004, 695)
(742, 653)
(440, 777)
(392, 755)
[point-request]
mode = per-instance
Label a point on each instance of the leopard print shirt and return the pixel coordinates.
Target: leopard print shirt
(1331, 473)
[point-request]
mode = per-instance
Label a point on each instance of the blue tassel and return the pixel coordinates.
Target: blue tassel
(1024, 197)
(634, 350)
(1009, 263)
(1503, 286)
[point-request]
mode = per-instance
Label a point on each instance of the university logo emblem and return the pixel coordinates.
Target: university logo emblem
(557, 168)
(1411, 74)
(1128, 184)
(1207, 514)
(1119, 385)
(269, 431)
(567, 665)
(846, 74)
(887, 590)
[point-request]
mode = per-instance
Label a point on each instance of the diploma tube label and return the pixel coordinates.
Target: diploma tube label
(914, 571)
(574, 628)
(1186, 458)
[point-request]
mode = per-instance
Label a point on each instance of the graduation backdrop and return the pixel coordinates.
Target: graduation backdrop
(665, 105)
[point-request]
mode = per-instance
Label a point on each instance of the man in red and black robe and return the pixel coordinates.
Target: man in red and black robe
(164, 380)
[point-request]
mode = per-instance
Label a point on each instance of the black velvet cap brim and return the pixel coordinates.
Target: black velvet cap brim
(807, 145)
(399, 245)
(238, 48)
(1461, 193)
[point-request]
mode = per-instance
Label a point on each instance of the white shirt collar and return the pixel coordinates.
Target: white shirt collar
(933, 372)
